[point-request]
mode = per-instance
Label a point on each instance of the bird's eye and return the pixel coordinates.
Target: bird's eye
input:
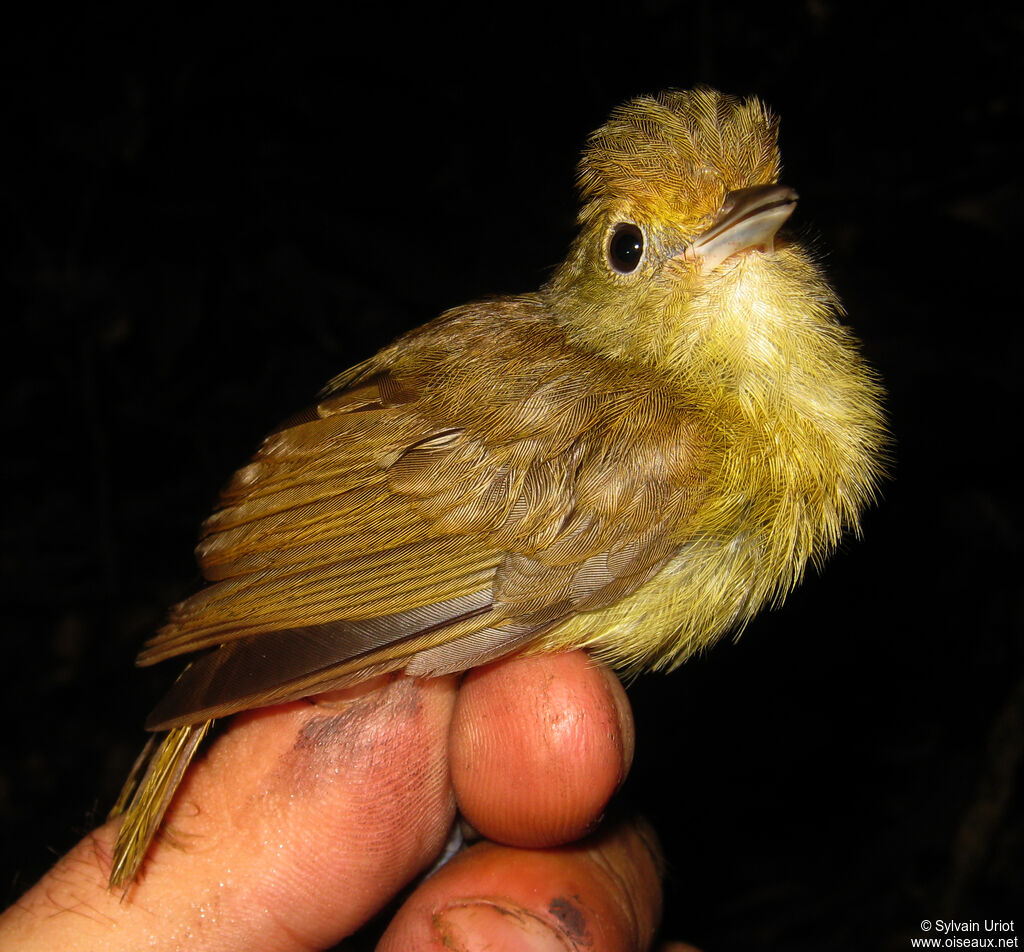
(625, 247)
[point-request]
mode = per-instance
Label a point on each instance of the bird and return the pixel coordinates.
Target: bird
(633, 460)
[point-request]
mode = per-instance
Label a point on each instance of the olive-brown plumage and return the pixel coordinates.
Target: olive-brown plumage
(634, 459)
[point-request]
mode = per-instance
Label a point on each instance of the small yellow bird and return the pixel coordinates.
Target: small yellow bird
(632, 460)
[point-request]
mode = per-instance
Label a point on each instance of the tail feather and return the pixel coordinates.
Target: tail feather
(145, 802)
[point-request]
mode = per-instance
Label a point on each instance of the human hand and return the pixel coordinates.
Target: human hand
(304, 820)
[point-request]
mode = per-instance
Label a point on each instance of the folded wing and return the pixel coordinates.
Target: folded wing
(379, 532)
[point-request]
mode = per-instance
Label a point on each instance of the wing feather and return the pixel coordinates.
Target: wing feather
(399, 526)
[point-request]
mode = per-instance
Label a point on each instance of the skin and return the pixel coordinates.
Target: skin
(304, 820)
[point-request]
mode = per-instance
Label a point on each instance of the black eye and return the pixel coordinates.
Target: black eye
(625, 247)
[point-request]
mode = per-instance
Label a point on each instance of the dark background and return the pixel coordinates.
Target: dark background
(206, 216)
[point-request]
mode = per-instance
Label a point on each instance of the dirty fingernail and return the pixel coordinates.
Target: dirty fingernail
(497, 928)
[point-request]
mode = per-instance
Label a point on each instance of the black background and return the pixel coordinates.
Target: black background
(207, 215)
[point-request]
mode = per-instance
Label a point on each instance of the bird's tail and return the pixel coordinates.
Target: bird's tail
(144, 802)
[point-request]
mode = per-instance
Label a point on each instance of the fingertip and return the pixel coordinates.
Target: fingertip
(538, 747)
(298, 824)
(604, 894)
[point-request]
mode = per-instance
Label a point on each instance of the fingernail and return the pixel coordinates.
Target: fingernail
(624, 712)
(497, 928)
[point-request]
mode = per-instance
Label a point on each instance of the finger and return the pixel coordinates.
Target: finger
(538, 747)
(298, 825)
(602, 894)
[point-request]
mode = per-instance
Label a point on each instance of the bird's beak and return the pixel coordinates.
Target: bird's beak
(748, 220)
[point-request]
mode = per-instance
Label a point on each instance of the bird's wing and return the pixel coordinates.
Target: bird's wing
(371, 535)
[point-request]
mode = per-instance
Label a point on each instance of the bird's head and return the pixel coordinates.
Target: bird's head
(680, 209)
